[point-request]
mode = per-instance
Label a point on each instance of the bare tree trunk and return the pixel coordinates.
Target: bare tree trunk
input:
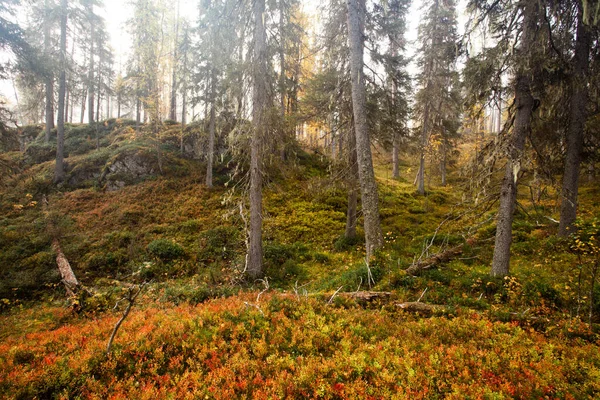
(173, 108)
(183, 103)
(395, 157)
(424, 138)
(444, 159)
(524, 105)
(370, 198)
(83, 99)
(351, 214)
(49, 76)
(91, 66)
(67, 104)
(211, 133)
(254, 260)
(282, 86)
(138, 114)
(59, 171)
(579, 98)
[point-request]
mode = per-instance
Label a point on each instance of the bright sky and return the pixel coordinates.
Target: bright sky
(117, 12)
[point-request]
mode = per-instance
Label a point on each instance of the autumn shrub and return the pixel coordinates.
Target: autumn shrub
(193, 293)
(165, 250)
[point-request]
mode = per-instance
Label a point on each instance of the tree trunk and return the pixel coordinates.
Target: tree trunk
(395, 157)
(83, 99)
(443, 161)
(91, 66)
(351, 214)
(173, 108)
(67, 104)
(211, 133)
(524, 105)
(368, 186)
(59, 171)
(282, 88)
(424, 138)
(49, 79)
(259, 108)
(577, 119)
(138, 114)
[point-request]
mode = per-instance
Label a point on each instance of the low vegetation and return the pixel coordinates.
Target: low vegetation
(200, 330)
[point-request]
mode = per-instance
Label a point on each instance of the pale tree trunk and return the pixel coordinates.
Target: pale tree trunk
(118, 105)
(351, 214)
(183, 102)
(424, 138)
(67, 93)
(173, 108)
(259, 108)
(579, 98)
(395, 157)
(282, 86)
(368, 186)
(83, 99)
(59, 171)
(211, 133)
(443, 161)
(49, 79)
(524, 105)
(91, 66)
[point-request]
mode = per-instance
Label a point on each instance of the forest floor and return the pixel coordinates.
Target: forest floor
(198, 330)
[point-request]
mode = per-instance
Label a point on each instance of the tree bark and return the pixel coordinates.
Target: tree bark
(524, 105)
(443, 161)
(395, 157)
(59, 170)
(424, 138)
(173, 108)
(211, 133)
(282, 86)
(577, 119)
(254, 260)
(351, 214)
(49, 79)
(90, 10)
(368, 186)
(83, 98)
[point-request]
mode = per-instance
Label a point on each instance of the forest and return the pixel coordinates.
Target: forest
(282, 199)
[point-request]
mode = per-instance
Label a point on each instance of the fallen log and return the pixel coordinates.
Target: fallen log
(437, 259)
(369, 296)
(66, 272)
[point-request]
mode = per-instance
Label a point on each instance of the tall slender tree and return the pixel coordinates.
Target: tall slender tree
(368, 185)
(578, 115)
(59, 170)
(260, 105)
(524, 104)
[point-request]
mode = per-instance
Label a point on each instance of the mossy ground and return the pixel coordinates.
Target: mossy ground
(200, 329)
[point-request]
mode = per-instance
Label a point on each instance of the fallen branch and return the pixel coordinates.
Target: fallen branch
(367, 295)
(435, 260)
